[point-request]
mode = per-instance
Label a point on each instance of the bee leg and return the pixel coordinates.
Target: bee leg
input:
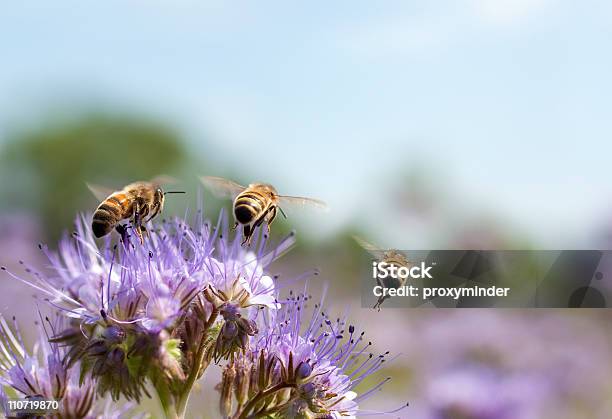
(282, 212)
(382, 298)
(138, 230)
(144, 231)
(272, 215)
(138, 222)
(260, 220)
(235, 225)
(247, 232)
(379, 302)
(154, 213)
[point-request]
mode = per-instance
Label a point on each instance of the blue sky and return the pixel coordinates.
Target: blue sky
(506, 103)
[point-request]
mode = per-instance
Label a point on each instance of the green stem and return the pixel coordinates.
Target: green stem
(166, 399)
(199, 366)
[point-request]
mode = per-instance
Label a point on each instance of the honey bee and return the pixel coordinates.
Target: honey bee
(254, 204)
(391, 257)
(138, 202)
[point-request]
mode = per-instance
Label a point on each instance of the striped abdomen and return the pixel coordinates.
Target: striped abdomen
(114, 209)
(250, 205)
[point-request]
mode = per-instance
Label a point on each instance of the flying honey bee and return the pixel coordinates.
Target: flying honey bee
(391, 257)
(254, 204)
(138, 202)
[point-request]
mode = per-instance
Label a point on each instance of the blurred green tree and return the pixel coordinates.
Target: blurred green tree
(44, 171)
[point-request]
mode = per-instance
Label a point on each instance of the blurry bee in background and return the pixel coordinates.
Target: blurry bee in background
(139, 202)
(254, 204)
(391, 257)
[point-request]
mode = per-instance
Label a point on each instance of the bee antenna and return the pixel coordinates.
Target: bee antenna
(282, 212)
(165, 193)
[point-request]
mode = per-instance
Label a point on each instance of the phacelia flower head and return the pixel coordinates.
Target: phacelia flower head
(43, 374)
(303, 367)
(137, 311)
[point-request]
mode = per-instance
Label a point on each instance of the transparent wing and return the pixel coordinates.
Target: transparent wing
(223, 188)
(302, 201)
(100, 192)
(371, 249)
(164, 180)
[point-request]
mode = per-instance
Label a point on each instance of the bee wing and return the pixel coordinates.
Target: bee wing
(302, 201)
(371, 249)
(223, 188)
(100, 192)
(164, 180)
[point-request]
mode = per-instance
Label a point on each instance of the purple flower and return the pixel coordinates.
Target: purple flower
(22, 370)
(302, 366)
(42, 373)
(138, 313)
(156, 314)
(478, 392)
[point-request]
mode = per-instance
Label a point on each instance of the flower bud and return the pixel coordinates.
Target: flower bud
(303, 370)
(116, 356)
(309, 390)
(243, 377)
(230, 312)
(248, 326)
(227, 386)
(230, 330)
(97, 347)
(234, 337)
(243, 341)
(113, 334)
